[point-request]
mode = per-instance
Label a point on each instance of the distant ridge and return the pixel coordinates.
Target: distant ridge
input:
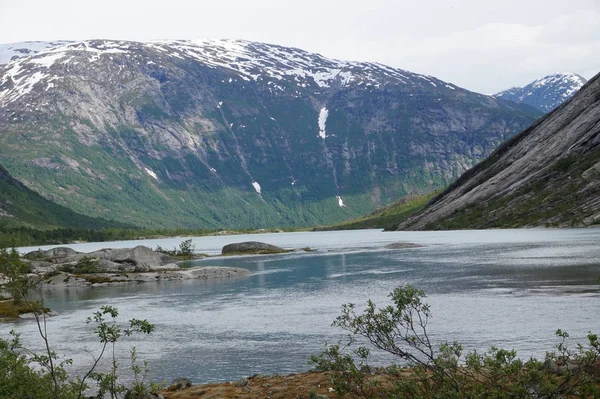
(545, 93)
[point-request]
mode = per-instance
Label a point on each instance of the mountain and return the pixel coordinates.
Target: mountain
(21, 207)
(546, 93)
(12, 51)
(229, 133)
(548, 175)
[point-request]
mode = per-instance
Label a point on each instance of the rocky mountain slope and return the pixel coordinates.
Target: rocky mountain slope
(223, 133)
(546, 93)
(548, 175)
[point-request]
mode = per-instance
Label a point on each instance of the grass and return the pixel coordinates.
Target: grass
(11, 310)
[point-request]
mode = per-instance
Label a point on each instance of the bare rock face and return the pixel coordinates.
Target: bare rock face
(251, 247)
(548, 175)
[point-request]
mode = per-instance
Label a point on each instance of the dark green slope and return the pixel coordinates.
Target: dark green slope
(22, 207)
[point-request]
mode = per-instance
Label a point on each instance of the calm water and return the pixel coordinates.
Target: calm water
(510, 288)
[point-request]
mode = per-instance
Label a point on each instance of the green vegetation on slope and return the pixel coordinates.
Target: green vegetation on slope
(387, 217)
(21, 207)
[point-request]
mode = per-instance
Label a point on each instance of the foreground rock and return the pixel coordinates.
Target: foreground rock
(304, 385)
(251, 247)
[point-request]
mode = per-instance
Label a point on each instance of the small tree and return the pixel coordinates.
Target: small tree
(186, 248)
(15, 271)
(45, 371)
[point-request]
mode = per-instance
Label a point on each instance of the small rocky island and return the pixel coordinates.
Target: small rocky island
(66, 267)
(251, 248)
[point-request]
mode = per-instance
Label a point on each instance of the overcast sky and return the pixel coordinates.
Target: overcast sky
(482, 45)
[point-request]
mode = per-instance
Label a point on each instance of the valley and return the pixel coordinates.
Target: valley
(223, 134)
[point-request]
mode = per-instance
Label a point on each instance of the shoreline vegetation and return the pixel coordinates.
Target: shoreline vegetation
(29, 236)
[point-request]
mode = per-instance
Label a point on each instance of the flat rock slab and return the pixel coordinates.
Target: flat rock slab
(402, 245)
(99, 279)
(251, 247)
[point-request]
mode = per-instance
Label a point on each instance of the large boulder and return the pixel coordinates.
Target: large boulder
(141, 257)
(54, 253)
(251, 247)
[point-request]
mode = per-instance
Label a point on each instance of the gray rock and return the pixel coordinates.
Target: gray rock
(30, 316)
(210, 272)
(38, 266)
(54, 253)
(251, 247)
(524, 175)
(140, 258)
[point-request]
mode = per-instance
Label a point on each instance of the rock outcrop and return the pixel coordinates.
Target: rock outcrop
(251, 247)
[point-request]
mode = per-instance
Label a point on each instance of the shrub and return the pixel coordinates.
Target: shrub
(186, 250)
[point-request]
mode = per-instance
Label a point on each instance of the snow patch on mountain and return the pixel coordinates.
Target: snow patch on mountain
(13, 51)
(323, 114)
(151, 173)
(256, 187)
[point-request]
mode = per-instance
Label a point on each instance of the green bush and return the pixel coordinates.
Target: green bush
(185, 251)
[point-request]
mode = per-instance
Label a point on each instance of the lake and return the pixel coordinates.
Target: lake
(509, 288)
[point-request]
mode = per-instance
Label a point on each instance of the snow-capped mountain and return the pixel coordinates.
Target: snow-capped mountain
(546, 93)
(223, 133)
(12, 51)
(279, 68)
